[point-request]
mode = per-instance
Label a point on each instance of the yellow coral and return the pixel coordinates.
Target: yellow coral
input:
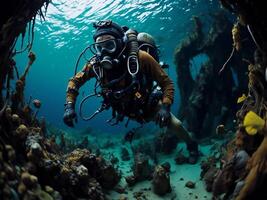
(242, 98)
(253, 123)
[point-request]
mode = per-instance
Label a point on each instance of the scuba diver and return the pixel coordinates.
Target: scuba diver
(131, 81)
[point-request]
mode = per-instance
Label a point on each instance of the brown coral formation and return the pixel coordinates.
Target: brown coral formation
(161, 181)
(142, 170)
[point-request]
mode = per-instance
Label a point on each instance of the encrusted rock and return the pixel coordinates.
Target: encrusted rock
(209, 178)
(161, 181)
(142, 169)
(30, 181)
(8, 112)
(109, 176)
(95, 191)
(15, 119)
(130, 180)
(190, 184)
(22, 131)
(10, 152)
(82, 171)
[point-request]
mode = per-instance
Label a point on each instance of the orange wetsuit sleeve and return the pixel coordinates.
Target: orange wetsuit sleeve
(77, 81)
(152, 68)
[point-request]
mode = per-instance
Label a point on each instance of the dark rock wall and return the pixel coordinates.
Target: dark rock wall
(14, 17)
(210, 99)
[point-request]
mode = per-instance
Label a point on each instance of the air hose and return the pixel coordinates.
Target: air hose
(132, 62)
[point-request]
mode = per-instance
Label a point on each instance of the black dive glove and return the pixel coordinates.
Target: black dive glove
(163, 116)
(69, 114)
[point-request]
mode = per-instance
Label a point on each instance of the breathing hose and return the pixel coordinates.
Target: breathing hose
(132, 62)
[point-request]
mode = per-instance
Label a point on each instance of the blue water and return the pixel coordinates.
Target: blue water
(68, 29)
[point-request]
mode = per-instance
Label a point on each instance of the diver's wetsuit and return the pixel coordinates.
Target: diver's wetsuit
(151, 69)
(148, 66)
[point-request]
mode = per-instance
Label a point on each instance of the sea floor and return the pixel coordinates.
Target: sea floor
(179, 176)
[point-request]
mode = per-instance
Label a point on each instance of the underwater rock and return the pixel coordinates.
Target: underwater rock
(238, 187)
(22, 131)
(125, 156)
(34, 149)
(146, 147)
(109, 177)
(11, 154)
(181, 158)
(190, 184)
(161, 181)
(94, 190)
(142, 169)
(122, 197)
(15, 119)
(119, 189)
(209, 177)
(207, 164)
(232, 170)
(30, 181)
(139, 195)
(130, 180)
(82, 172)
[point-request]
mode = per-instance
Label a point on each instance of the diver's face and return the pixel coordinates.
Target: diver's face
(105, 44)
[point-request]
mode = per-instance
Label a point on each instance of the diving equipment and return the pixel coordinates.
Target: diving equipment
(107, 27)
(108, 46)
(69, 114)
(147, 43)
(163, 117)
(132, 60)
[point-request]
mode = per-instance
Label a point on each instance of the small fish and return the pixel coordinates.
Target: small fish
(253, 123)
(242, 98)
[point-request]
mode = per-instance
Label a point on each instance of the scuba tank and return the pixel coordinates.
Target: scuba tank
(147, 43)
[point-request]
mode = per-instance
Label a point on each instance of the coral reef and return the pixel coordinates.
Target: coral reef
(32, 164)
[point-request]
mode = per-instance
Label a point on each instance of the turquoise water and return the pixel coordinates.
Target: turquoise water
(68, 29)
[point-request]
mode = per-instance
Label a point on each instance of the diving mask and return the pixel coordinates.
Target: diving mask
(107, 46)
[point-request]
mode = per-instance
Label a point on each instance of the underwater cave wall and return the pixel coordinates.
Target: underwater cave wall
(210, 99)
(14, 17)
